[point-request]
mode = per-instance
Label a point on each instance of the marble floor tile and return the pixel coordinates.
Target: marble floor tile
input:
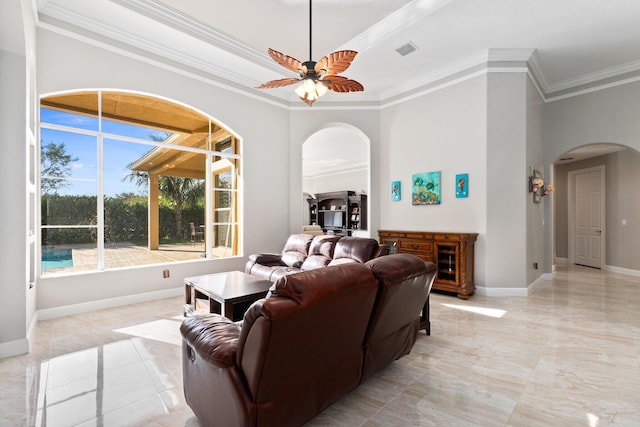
(567, 355)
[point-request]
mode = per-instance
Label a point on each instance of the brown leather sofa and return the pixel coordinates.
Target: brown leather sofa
(314, 338)
(304, 252)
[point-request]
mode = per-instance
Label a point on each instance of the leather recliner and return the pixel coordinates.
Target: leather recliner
(298, 351)
(402, 292)
(306, 252)
(314, 338)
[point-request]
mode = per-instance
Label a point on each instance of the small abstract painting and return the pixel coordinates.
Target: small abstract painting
(462, 185)
(425, 188)
(395, 191)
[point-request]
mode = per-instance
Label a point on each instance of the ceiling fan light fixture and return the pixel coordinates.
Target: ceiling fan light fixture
(312, 74)
(321, 88)
(310, 90)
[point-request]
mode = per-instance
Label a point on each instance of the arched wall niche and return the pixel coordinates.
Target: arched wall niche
(336, 157)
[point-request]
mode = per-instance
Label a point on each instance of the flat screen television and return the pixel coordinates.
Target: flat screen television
(333, 219)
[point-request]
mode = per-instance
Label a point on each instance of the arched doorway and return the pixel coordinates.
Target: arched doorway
(336, 158)
(619, 166)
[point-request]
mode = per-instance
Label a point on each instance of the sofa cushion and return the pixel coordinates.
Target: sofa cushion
(320, 252)
(296, 249)
(354, 249)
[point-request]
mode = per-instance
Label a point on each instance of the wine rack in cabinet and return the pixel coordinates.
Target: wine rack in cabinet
(453, 253)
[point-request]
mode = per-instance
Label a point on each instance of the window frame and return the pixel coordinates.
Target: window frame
(234, 157)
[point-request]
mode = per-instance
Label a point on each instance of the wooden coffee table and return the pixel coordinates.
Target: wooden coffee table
(224, 292)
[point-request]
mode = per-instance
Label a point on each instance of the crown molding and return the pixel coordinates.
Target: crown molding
(188, 25)
(81, 27)
(595, 77)
(54, 16)
(498, 59)
(537, 75)
(509, 54)
(329, 171)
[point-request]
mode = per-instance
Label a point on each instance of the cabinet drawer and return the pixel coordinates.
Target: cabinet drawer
(447, 237)
(409, 246)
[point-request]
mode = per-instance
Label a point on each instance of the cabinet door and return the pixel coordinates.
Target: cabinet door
(392, 243)
(447, 256)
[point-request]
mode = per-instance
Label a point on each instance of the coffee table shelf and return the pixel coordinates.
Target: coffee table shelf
(229, 293)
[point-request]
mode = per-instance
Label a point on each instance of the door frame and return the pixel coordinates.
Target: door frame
(571, 211)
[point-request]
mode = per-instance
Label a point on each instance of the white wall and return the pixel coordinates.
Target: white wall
(13, 285)
(442, 131)
(609, 115)
(66, 64)
(354, 180)
(506, 180)
(538, 230)
(336, 158)
(16, 298)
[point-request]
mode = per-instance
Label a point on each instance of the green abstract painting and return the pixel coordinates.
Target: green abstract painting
(425, 188)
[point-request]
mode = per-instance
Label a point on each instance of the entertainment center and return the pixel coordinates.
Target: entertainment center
(338, 212)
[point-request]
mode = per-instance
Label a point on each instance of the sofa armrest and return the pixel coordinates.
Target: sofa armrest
(214, 339)
(270, 260)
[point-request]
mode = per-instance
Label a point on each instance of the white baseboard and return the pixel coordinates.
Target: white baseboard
(620, 270)
(501, 292)
(14, 348)
(513, 292)
(21, 346)
(52, 313)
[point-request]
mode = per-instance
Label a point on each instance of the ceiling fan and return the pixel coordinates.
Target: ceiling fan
(316, 78)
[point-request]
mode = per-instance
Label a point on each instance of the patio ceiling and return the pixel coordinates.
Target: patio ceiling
(188, 127)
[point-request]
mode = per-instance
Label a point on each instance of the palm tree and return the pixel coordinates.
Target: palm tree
(178, 191)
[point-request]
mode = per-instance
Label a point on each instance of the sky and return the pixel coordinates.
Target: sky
(117, 154)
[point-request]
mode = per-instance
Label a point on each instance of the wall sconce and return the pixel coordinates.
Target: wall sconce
(537, 187)
(535, 184)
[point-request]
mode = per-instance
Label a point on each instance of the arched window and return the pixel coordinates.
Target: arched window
(129, 179)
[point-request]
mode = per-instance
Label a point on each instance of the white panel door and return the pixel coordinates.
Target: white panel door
(588, 219)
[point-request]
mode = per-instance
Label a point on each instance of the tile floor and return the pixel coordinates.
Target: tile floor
(568, 355)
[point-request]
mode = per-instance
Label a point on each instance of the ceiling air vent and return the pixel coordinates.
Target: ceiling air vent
(406, 49)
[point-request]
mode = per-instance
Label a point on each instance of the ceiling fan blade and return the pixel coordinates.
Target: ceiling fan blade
(335, 62)
(343, 84)
(288, 62)
(278, 83)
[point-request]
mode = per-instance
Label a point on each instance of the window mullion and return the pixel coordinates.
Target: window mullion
(100, 198)
(208, 197)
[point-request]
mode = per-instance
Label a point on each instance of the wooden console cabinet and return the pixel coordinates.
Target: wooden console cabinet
(453, 253)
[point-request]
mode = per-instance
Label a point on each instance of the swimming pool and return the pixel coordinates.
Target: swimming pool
(56, 258)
